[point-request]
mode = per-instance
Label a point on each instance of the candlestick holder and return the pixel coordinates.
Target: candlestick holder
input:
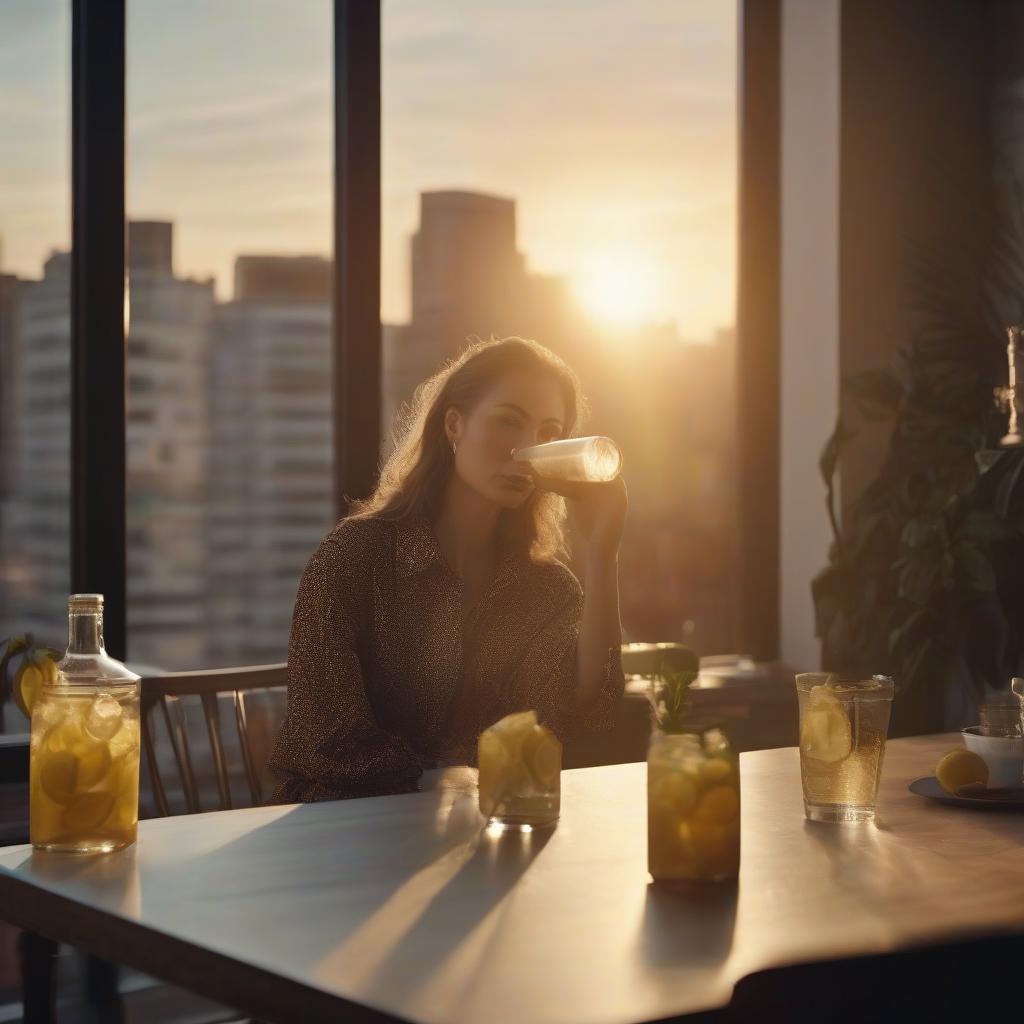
(1007, 396)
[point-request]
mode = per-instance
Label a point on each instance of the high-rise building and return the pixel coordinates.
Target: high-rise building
(8, 296)
(468, 280)
(35, 567)
(167, 432)
(271, 456)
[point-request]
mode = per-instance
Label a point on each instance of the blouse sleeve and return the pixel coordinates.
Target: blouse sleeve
(547, 673)
(330, 746)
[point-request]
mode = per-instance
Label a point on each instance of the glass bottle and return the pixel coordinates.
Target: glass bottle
(693, 806)
(84, 776)
(584, 459)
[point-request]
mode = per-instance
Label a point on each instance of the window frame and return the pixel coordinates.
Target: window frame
(98, 431)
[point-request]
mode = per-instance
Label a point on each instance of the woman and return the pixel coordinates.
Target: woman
(440, 605)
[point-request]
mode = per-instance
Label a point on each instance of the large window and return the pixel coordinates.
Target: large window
(34, 319)
(558, 170)
(229, 473)
(567, 172)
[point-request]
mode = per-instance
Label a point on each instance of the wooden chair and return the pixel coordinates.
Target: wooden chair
(170, 693)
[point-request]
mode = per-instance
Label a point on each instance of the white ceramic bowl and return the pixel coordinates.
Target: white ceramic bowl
(1004, 755)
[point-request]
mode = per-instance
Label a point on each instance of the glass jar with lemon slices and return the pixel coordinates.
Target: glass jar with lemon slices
(520, 770)
(84, 776)
(693, 805)
(843, 726)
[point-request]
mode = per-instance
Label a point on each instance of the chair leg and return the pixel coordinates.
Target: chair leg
(101, 979)
(38, 978)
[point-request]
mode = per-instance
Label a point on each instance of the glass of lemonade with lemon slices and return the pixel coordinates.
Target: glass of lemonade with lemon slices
(693, 807)
(843, 724)
(84, 774)
(520, 770)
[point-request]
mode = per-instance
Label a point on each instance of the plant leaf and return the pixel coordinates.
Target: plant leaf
(830, 454)
(876, 393)
(975, 566)
(1004, 492)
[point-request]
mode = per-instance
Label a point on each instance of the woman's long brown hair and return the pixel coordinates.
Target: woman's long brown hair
(414, 475)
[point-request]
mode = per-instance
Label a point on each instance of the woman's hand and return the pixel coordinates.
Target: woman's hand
(599, 510)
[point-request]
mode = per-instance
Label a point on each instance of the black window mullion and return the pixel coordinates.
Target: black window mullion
(758, 324)
(97, 309)
(356, 321)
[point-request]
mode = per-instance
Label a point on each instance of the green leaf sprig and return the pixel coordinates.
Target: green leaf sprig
(669, 695)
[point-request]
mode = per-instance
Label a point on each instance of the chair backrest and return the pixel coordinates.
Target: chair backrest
(170, 692)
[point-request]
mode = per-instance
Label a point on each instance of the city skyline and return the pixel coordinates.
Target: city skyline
(628, 177)
(229, 435)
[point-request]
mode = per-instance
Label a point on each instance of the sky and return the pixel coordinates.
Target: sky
(611, 123)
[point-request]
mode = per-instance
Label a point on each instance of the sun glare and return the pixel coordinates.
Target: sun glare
(620, 290)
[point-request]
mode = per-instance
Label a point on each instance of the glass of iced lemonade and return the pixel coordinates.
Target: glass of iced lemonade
(693, 806)
(520, 769)
(843, 725)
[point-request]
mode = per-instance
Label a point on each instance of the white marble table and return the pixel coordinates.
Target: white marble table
(400, 908)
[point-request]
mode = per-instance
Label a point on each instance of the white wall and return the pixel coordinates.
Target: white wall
(810, 306)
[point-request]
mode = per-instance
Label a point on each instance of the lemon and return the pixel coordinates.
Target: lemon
(513, 729)
(719, 805)
(93, 764)
(716, 847)
(542, 754)
(961, 767)
(29, 682)
(825, 731)
(675, 793)
(66, 735)
(59, 776)
(88, 810)
(716, 769)
(493, 761)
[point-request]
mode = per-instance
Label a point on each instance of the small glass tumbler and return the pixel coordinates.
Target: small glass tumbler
(843, 725)
(1000, 716)
(520, 773)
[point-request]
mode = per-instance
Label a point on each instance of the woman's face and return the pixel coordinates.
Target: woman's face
(520, 410)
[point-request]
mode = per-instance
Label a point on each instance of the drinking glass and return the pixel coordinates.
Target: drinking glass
(520, 766)
(1000, 716)
(843, 725)
(693, 807)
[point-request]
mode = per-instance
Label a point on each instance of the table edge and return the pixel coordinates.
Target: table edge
(236, 983)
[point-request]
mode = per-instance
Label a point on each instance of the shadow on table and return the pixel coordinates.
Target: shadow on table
(966, 981)
(430, 930)
(688, 924)
(385, 915)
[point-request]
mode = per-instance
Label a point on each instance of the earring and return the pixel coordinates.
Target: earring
(453, 449)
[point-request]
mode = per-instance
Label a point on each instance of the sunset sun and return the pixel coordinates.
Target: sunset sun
(618, 289)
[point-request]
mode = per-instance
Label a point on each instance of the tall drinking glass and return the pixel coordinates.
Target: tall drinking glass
(843, 725)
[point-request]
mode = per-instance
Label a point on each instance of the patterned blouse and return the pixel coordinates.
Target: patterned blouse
(386, 677)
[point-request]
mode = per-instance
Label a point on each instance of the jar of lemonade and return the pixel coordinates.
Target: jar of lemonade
(84, 777)
(693, 806)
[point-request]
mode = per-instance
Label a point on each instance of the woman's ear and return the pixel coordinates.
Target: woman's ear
(452, 424)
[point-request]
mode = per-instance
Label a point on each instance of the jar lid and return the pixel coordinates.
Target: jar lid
(85, 603)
